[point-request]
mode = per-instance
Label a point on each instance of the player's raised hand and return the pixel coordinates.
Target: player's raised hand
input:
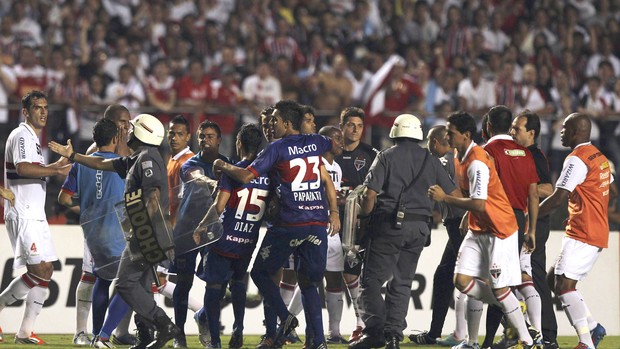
(436, 193)
(62, 150)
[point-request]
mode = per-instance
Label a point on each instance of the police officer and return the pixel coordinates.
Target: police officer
(399, 229)
(144, 169)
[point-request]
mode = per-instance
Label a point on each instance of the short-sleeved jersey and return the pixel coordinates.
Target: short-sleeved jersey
(144, 169)
(587, 176)
(393, 171)
(197, 163)
(515, 167)
(23, 146)
(98, 192)
(294, 167)
(174, 180)
(335, 172)
(478, 179)
(355, 164)
(243, 214)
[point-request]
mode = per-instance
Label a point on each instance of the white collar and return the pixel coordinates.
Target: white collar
(181, 153)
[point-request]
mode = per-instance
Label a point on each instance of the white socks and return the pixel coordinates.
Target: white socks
(34, 303)
(512, 312)
(295, 305)
(474, 313)
(354, 292)
(533, 303)
(334, 304)
(83, 302)
(286, 291)
(460, 308)
(480, 290)
(167, 289)
(18, 289)
(577, 312)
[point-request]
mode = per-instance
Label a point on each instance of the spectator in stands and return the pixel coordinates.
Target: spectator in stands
(476, 95)
(9, 45)
(604, 52)
(160, 88)
(262, 88)
(26, 29)
(331, 90)
(30, 75)
(127, 90)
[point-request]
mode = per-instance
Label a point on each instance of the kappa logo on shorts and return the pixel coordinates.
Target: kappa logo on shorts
(265, 251)
(359, 163)
(495, 271)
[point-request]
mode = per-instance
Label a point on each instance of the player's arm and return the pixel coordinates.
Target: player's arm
(213, 213)
(239, 174)
(66, 199)
(554, 201)
(544, 190)
(98, 163)
(7, 194)
(435, 192)
(30, 170)
(332, 201)
(532, 212)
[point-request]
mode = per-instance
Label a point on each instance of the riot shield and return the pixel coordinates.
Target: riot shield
(350, 224)
(196, 199)
(146, 227)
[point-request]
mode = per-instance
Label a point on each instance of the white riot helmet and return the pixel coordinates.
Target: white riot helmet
(408, 126)
(148, 129)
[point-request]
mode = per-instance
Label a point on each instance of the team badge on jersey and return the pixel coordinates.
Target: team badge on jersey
(359, 163)
(495, 271)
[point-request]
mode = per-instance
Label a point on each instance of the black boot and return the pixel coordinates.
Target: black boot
(145, 333)
(166, 330)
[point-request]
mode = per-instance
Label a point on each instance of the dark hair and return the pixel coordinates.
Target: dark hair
(180, 120)
(113, 111)
(291, 111)
(463, 122)
(28, 97)
(532, 121)
(351, 112)
(250, 137)
(104, 131)
(267, 111)
(210, 124)
(308, 109)
(500, 119)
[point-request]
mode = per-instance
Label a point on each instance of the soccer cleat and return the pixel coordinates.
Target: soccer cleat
(214, 346)
(285, 328)
(450, 341)
(166, 331)
(180, 342)
(292, 338)
(505, 342)
(598, 333)
(336, 340)
(126, 339)
(99, 342)
(266, 343)
(356, 334)
(81, 339)
(392, 343)
(582, 345)
(464, 345)
(422, 338)
(321, 346)
(536, 337)
(203, 330)
(33, 339)
(236, 340)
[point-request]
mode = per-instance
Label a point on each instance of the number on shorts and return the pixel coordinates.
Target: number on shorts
(33, 247)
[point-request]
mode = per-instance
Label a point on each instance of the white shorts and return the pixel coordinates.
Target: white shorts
(576, 258)
(335, 254)
(489, 257)
(525, 260)
(290, 263)
(32, 242)
(88, 264)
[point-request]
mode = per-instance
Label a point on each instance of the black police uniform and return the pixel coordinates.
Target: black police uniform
(392, 254)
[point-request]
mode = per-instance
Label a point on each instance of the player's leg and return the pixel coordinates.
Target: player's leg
(334, 288)
(216, 272)
(83, 302)
(238, 292)
(288, 282)
(185, 267)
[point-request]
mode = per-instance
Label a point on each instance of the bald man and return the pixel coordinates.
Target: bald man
(585, 182)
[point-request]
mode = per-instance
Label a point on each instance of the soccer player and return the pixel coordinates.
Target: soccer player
(307, 205)
(98, 192)
(25, 219)
(226, 261)
(196, 168)
(585, 182)
(355, 161)
(179, 136)
(517, 173)
(489, 250)
(144, 170)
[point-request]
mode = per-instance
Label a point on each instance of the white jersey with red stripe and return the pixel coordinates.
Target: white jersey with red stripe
(23, 146)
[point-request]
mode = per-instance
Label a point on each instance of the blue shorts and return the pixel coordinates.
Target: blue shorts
(218, 269)
(186, 263)
(308, 244)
